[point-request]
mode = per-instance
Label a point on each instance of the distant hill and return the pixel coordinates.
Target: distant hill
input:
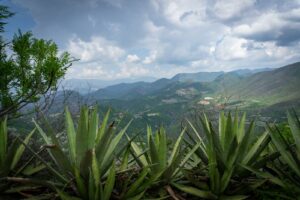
(85, 86)
(262, 93)
(249, 72)
(135, 90)
(197, 77)
(169, 100)
(211, 76)
(121, 91)
(274, 86)
(127, 91)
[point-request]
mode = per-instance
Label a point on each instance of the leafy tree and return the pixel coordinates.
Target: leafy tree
(29, 67)
(4, 14)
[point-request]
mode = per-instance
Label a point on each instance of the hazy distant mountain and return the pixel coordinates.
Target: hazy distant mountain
(168, 101)
(248, 72)
(211, 76)
(262, 88)
(142, 85)
(85, 86)
(128, 91)
(134, 90)
(139, 89)
(197, 77)
(119, 90)
(131, 90)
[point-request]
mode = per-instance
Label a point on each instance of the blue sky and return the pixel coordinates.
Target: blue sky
(119, 39)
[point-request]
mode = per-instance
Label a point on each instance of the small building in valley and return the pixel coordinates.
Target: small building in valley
(203, 102)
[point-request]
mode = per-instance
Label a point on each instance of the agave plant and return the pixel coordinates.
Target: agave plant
(162, 163)
(221, 156)
(287, 167)
(10, 156)
(134, 184)
(87, 163)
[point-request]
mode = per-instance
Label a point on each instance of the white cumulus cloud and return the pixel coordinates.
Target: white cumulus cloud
(96, 48)
(132, 58)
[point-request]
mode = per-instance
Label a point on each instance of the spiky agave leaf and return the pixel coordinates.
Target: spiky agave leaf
(223, 152)
(3, 141)
(90, 153)
(289, 178)
(11, 154)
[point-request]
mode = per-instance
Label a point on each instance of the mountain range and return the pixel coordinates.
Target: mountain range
(85, 86)
(141, 88)
(265, 93)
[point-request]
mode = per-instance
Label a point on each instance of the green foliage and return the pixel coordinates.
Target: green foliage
(287, 168)
(285, 131)
(222, 155)
(156, 158)
(4, 14)
(30, 70)
(10, 156)
(162, 162)
(227, 162)
(89, 156)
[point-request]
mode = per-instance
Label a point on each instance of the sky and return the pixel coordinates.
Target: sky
(119, 39)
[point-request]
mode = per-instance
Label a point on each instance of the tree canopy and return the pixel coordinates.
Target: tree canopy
(29, 67)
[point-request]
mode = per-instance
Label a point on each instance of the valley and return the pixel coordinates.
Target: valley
(264, 94)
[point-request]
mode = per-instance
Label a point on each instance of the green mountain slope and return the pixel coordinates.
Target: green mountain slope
(271, 87)
(168, 101)
(129, 91)
(197, 77)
